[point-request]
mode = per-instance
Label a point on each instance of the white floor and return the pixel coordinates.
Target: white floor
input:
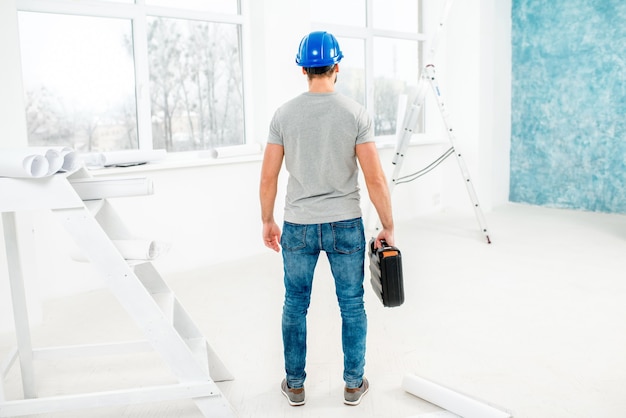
(534, 323)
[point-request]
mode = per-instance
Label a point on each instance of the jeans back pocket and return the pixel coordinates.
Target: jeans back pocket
(348, 236)
(293, 237)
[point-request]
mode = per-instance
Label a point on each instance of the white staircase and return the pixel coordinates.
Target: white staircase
(168, 329)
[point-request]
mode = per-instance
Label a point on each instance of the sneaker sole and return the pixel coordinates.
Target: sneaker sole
(292, 403)
(358, 401)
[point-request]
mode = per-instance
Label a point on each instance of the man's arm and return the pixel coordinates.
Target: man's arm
(272, 162)
(377, 189)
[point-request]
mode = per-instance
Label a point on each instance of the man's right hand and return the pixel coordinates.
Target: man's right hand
(271, 236)
(384, 234)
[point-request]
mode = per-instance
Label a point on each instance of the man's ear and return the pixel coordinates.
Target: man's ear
(336, 68)
(303, 70)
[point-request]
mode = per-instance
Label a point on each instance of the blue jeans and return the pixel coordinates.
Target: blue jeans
(344, 244)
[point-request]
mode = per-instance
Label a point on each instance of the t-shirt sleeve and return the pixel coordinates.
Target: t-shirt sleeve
(275, 133)
(366, 130)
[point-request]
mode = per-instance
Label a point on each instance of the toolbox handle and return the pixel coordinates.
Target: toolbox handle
(388, 250)
(373, 244)
(385, 245)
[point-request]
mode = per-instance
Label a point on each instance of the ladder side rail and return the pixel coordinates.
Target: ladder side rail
(430, 71)
(409, 125)
(412, 119)
(20, 310)
(434, 42)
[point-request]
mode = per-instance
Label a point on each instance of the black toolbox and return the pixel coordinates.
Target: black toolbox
(386, 270)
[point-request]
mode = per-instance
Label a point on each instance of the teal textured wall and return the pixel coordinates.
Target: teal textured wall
(568, 127)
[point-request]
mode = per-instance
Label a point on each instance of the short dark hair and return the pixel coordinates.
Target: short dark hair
(319, 70)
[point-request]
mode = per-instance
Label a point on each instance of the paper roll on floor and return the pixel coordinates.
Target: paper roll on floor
(450, 400)
(437, 414)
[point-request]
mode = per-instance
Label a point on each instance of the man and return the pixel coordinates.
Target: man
(321, 135)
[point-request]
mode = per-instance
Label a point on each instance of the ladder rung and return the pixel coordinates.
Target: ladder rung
(96, 188)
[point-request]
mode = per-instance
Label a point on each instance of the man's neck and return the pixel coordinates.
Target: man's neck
(322, 85)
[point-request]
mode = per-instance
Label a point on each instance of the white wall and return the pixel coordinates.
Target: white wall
(477, 77)
(210, 212)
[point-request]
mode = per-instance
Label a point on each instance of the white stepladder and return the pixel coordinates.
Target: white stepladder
(167, 328)
(411, 121)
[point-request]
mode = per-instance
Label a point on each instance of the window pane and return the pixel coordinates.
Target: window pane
(79, 89)
(396, 73)
(398, 15)
(195, 84)
(215, 6)
(351, 77)
(344, 12)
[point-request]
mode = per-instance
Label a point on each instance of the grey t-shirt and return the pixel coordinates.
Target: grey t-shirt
(319, 132)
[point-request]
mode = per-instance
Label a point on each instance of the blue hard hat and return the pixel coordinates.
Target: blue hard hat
(318, 49)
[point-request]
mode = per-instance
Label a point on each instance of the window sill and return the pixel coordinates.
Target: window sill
(176, 162)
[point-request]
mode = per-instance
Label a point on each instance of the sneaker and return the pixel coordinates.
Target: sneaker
(295, 397)
(353, 396)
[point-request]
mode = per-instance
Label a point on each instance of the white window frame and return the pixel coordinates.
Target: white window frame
(367, 34)
(138, 13)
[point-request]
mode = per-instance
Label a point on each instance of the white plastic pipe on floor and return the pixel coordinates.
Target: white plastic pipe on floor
(450, 400)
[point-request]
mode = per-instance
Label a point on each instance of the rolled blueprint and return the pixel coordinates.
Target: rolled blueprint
(141, 249)
(450, 400)
(23, 163)
(37, 161)
(71, 161)
(131, 249)
(55, 160)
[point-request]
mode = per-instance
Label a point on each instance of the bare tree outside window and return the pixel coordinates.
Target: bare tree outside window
(352, 69)
(79, 75)
(396, 72)
(195, 84)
